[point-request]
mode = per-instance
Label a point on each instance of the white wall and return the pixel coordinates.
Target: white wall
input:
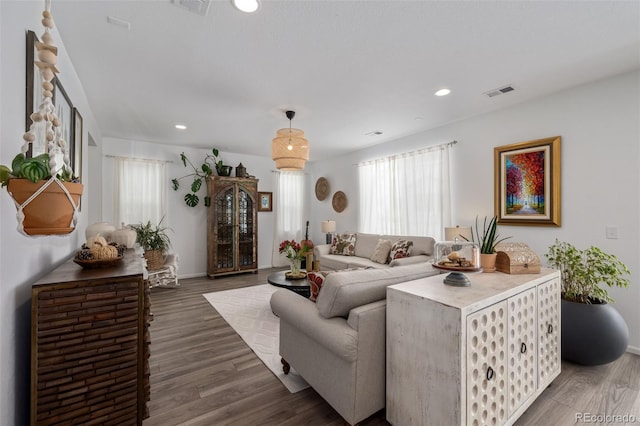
(24, 259)
(600, 128)
(188, 238)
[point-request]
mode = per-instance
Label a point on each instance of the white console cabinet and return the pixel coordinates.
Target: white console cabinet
(471, 355)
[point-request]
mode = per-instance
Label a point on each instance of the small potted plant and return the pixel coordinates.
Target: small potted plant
(593, 331)
(487, 241)
(154, 241)
(209, 163)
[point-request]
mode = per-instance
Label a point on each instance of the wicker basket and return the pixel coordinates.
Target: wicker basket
(155, 259)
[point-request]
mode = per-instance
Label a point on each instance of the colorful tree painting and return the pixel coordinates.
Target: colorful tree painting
(525, 183)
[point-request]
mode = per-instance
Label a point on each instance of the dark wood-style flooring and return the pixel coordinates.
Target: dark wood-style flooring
(202, 373)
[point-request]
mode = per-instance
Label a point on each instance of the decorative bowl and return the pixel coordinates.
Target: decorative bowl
(98, 263)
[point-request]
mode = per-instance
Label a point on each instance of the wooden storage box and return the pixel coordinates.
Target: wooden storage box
(517, 258)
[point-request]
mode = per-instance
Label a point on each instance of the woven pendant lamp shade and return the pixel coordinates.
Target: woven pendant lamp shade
(289, 149)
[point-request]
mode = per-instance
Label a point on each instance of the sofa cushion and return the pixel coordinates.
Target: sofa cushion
(316, 279)
(366, 244)
(400, 249)
(381, 252)
(344, 244)
(344, 290)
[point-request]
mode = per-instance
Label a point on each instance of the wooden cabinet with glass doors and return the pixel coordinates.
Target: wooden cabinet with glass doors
(232, 226)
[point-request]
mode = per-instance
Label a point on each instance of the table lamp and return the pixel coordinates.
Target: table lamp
(328, 227)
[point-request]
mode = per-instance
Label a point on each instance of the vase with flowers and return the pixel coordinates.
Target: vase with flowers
(295, 253)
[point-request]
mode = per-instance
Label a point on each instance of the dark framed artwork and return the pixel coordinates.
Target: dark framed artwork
(33, 95)
(64, 110)
(76, 154)
(265, 201)
(527, 182)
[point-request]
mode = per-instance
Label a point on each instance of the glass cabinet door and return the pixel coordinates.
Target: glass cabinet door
(245, 229)
(224, 229)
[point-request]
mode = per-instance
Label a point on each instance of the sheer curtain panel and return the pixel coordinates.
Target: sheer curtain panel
(288, 199)
(406, 194)
(141, 188)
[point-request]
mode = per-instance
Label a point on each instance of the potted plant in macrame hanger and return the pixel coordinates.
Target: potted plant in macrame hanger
(44, 187)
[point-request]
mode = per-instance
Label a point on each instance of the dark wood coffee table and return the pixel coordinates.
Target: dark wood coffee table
(300, 286)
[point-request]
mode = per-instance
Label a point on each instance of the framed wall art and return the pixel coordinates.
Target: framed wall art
(76, 154)
(33, 93)
(265, 201)
(64, 111)
(527, 182)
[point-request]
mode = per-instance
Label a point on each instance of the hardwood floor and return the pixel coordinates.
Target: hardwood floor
(202, 373)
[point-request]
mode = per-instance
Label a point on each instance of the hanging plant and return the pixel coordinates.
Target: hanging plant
(209, 163)
(44, 188)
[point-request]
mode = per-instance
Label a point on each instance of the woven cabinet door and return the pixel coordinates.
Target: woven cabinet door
(487, 365)
(548, 331)
(522, 348)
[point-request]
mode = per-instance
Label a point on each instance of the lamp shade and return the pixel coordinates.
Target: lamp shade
(328, 226)
(459, 232)
(290, 150)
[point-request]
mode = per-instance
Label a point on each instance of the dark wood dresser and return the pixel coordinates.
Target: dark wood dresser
(90, 345)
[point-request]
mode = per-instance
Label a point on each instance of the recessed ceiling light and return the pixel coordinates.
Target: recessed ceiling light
(374, 133)
(247, 6)
(181, 127)
(442, 92)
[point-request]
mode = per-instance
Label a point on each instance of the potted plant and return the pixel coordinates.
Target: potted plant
(52, 211)
(154, 241)
(209, 163)
(487, 241)
(593, 331)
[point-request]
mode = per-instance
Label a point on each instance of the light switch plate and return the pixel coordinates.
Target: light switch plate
(612, 232)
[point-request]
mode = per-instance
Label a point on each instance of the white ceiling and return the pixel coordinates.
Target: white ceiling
(347, 68)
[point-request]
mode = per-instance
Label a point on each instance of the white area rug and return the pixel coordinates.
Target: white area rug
(248, 312)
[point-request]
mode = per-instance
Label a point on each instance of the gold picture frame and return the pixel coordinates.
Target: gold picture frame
(265, 200)
(527, 183)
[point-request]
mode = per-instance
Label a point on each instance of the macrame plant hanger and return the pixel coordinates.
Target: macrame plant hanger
(45, 124)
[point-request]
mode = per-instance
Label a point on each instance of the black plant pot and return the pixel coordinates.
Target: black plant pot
(592, 334)
(224, 170)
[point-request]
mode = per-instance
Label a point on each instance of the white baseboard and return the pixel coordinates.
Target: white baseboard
(182, 277)
(633, 349)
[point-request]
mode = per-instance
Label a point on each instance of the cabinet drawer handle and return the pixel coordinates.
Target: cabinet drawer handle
(523, 348)
(550, 329)
(490, 373)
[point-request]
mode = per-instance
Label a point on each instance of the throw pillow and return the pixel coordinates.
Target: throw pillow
(400, 249)
(344, 244)
(316, 279)
(381, 252)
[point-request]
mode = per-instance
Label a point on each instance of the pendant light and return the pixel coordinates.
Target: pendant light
(289, 149)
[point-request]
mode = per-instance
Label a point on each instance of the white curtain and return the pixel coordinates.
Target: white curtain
(288, 205)
(141, 188)
(406, 194)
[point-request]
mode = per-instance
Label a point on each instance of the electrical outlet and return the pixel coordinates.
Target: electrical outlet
(612, 232)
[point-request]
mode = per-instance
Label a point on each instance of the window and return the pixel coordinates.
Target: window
(289, 208)
(406, 194)
(141, 187)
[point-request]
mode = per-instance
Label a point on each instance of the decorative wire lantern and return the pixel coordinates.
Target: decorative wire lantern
(289, 149)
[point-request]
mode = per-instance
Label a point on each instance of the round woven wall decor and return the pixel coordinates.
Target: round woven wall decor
(322, 188)
(339, 201)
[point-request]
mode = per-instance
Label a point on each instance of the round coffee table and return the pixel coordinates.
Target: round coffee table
(300, 286)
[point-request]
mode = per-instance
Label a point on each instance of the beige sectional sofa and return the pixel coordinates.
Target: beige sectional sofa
(338, 343)
(365, 246)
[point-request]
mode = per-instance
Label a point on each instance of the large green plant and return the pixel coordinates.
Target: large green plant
(152, 237)
(209, 163)
(583, 271)
(489, 238)
(34, 169)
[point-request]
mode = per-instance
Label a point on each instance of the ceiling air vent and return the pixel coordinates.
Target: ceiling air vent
(199, 7)
(499, 91)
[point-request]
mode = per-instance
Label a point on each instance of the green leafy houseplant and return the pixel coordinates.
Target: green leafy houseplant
(209, 163)
(33, 169)
(489, 238)
(583, 271)
(152, 237)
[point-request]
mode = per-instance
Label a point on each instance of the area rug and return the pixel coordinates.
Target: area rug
(248, 312)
